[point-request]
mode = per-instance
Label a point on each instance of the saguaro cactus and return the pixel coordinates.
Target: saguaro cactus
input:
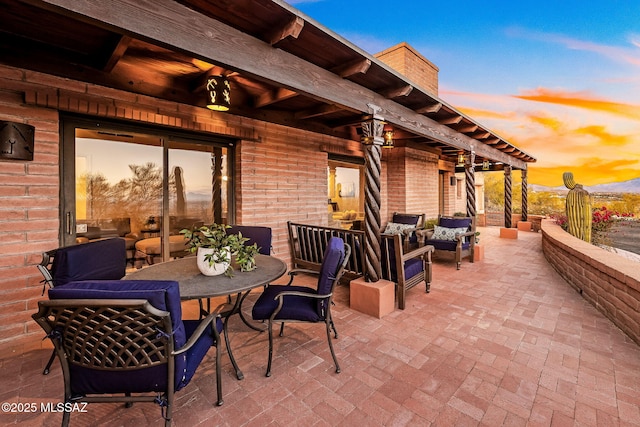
(578, 209)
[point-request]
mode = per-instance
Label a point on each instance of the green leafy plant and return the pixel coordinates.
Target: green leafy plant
(215, 237)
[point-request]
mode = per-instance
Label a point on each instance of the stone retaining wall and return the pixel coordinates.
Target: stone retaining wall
(608, 281)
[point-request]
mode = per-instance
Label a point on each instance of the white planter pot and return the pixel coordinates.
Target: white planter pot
(209, 269)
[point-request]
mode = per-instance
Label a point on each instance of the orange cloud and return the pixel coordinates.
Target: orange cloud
(590, 172)
(476, 112)
(581, 100)
(604, 137)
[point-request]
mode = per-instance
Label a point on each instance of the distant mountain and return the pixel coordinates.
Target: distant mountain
(631, 186)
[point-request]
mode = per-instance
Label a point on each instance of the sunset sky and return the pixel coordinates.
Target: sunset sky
(558, 79)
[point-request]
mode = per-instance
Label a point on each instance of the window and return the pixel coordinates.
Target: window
(122, 180)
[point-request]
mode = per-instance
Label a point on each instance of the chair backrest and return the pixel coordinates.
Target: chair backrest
(333, 264)
(113, 342)
(96, 260)
(456, 222)
(406, 218)
(256, 234)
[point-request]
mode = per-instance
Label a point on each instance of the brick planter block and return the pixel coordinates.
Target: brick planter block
(508, 233)
(478, 252)
(524, 226)
(376, 299)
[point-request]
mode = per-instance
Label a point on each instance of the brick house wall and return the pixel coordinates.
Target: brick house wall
(281, 174)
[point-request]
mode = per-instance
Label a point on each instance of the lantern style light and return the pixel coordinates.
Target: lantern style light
(461, 159)
(218, 93)
(486, 165)
(388, 139)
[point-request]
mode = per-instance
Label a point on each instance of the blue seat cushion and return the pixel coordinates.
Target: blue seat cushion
(97, 260)
(412, 266)
(446, 245)
(293, 308)
(197, 352)
(333, 258)
(163, 295)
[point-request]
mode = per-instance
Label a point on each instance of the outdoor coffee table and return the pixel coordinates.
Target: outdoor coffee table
(195, 285)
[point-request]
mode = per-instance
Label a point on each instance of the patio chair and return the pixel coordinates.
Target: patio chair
(404, 266)
(287, 303)
(406, 224)
(453, 234)
(95, 260)
(126, 342)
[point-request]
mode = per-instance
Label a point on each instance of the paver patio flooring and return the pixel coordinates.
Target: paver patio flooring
(504, 341)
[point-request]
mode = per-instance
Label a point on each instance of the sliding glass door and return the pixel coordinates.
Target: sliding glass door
(141, 183)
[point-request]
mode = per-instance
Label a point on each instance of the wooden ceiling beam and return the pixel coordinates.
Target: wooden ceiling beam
(360, 66)
(397, 92)
(317, 112)
(274, 96)
(429, 109)
(468, 128)
(117, 53)
(292, 29)
(450, 120)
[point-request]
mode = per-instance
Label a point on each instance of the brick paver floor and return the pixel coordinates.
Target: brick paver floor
(504, 341)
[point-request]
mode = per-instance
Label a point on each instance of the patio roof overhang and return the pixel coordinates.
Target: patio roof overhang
(283, 67)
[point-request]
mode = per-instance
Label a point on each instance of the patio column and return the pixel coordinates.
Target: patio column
(525, 202)
(507, 196)
(216, 182)
(470, 182)
(372, 126)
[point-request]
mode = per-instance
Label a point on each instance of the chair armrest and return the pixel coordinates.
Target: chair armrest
(425, 233)
(202, 327)
(419, 252)
(295, 271)
(460, 236)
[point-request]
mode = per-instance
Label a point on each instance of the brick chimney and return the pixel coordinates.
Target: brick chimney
(410, 63)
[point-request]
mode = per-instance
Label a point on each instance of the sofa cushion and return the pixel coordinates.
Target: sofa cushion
(445, 233)
(397, 228)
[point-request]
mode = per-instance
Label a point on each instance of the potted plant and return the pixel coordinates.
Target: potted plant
(214, 246)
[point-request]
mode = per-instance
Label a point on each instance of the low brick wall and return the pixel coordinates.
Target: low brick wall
(608, 281)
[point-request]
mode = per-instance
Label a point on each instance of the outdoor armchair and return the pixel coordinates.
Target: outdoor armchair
(405, 264)
(126, 341)
(453, 234)
(287, 303)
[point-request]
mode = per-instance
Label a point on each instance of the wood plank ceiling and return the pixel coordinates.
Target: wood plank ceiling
(128, 45)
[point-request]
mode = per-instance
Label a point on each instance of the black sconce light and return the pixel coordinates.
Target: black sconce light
(218, 93)
(461, 159)
(486, 165)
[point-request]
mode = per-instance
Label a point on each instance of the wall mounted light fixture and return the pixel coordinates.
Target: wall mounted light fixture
(218, 93)
(388, 139)
(461, 159)
(486, 165)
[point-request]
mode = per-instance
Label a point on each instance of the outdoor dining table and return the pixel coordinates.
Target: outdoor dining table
(195, 285)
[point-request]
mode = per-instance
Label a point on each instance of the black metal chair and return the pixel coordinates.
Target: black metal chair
(126, 342)
(286, 303)
(104, 259)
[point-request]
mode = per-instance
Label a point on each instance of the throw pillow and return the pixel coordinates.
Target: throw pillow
(444, 233)
(395, 228)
